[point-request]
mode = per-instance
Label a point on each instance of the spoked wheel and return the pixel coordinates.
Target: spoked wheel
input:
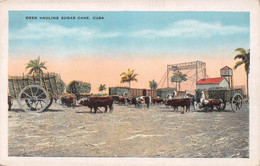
(222, 106)
(236, 102)
(33, 98)
(126, 94)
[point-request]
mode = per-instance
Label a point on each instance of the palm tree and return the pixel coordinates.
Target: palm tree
(153, 84)
(175, 78)
(128, 76)
(35, 66)
(102, 87)
(183, 78)
(245, 59)
(178, 78)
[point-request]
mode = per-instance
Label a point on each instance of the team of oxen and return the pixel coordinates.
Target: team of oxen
(95, 103)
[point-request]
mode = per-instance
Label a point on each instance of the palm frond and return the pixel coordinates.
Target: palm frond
(240, 56)
(124, 73)
(241, 50)
(238, 64)
(31, 71)
(134, 79)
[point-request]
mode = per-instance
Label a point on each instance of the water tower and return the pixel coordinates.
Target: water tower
(227, 73)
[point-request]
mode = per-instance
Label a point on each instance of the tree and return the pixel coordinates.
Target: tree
(35, 66)
(178, 78)
(153, 84)
(128, 76)
(245, 59)
(183, 78)
(102, 87)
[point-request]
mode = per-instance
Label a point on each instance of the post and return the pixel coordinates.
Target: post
(196, 71)
(167, 76)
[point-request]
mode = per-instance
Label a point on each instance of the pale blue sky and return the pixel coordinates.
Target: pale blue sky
(128, 34)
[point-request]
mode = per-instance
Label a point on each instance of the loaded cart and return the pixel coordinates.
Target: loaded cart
(35, 93)
(231, 96)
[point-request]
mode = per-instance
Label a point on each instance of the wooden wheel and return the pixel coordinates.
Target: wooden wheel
(236, 102)
(33, 98)
(126, 94)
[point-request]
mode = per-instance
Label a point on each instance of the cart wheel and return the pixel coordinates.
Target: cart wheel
(51, 100)
(236, 102)
(126, 94)
(33, 98)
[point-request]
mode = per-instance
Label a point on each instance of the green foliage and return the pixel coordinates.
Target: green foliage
(35, 66)
(179, 77)
(52, 83)
(128, 76)
(102, 87)
(245, 59)
(77, 87)
(153, 84)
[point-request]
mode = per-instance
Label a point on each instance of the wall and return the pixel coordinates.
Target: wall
(206, 86)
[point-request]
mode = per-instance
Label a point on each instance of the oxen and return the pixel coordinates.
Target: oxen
(115, 97)
(122, 100)
(133, 101)
(209, 103)
(95, 102)
(147, 100)
(10, 102)
(69, 100)
(184, 102)
(143, 100)
(157, 100)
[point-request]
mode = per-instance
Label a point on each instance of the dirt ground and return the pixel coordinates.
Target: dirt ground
(129, 132)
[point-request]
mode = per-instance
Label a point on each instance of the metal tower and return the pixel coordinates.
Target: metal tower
(195, 71)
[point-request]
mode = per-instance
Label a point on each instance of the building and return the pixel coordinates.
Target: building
(227, 73)
(131, 92)
(212, 83)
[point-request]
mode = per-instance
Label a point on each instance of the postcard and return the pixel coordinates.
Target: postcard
(153, 83)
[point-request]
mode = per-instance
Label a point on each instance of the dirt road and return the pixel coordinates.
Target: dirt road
(129, 131)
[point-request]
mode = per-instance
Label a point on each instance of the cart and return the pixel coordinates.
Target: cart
(35, 93)
(227, 96)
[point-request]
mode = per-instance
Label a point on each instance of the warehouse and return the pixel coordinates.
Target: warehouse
(212, 83)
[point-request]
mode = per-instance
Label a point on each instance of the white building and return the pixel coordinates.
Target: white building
(212, 82)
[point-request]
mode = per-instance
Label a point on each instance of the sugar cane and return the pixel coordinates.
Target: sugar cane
(47, 81)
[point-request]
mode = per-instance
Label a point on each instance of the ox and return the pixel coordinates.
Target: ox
(175, 103)
(209, 103)
(115, 97)
(95, 102)
(69, 100)
(133, 101)
(143, 100)
(157, 101)
(122, 100)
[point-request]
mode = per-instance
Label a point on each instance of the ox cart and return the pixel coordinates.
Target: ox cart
(234, 97)
(35, 93)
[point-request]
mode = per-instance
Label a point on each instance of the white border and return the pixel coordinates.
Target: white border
(136, 5)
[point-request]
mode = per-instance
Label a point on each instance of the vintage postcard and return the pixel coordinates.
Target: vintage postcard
(157, 84)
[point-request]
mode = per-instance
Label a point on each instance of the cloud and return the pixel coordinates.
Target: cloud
(191, 28)
(51, 31)
(184, 28)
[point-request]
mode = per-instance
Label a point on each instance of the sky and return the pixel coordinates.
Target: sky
(98, 50)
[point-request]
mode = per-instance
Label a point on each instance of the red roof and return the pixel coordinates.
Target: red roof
(210, 81)
(226, 67)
